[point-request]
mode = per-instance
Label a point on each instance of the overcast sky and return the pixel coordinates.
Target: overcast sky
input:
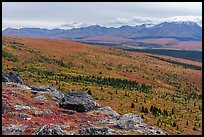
(67, 15)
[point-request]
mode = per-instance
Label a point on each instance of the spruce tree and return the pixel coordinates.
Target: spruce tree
(174, 124)
(89, 92)
(143, 109)
(132, 105)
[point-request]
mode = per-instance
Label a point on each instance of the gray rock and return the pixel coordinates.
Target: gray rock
(38, 88)
(112, 118)
(49, 130)
(41, 103)
(57, 95)
(22, 86)
(42, 112)
(23, 115)
(68, 111)
(14, 129)
(79, 101)
(149, 130)
(111, 113)
(128, 121)
(96, 131)
(41, 97)
(5, 78)
(34, 92)
(5, 108)
(19, 107)
(109, 121)
(11, 77)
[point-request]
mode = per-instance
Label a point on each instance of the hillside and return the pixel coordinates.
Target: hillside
(44, 110)
(116, 78)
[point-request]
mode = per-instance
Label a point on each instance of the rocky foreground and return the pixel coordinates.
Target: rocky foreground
(44, 110)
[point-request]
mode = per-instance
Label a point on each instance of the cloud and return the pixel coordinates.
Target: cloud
(118, 22)
(149, 20)
(29, 23)
(71, 25)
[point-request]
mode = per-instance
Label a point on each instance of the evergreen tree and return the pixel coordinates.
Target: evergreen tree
(145, 101)
(158, 122)
(151, 108)
(132, 105)
(146, 110)
(172, 111)
(143, 109)
(174, 124)
(89, 92)
(142, 116)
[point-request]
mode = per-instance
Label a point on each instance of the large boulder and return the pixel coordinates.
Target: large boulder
(96, 131)
(56, 94)
(11, 77)
(111, 113)
(79, 101)
(49, 130)
(112, 118)
(128, 121)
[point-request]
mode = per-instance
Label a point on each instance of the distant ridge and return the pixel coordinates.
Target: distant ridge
(183, 31)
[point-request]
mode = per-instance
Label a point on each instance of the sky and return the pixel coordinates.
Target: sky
(67, 15)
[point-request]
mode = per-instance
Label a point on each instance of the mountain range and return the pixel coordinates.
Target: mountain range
(178, 30)
(175, 35)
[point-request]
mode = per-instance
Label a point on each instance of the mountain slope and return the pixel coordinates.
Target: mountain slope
(116, 78)
(178, 30)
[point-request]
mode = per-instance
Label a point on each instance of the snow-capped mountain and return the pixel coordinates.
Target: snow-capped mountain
(179, 30)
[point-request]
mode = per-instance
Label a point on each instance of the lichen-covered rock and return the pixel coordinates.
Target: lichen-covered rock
(79, 101)
(96, 131)
(41, 97)
(14, 129)
(49, 130)
(56, 94)
(22, 86)
(111, 113)
(5, 78)
(112, 118)
(11, 77)
(42, 112)
(128, 121)
(149, 130)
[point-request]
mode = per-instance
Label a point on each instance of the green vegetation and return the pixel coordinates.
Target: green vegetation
(178, 63)
(114, 82)
(9, 56)
(161, 93)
